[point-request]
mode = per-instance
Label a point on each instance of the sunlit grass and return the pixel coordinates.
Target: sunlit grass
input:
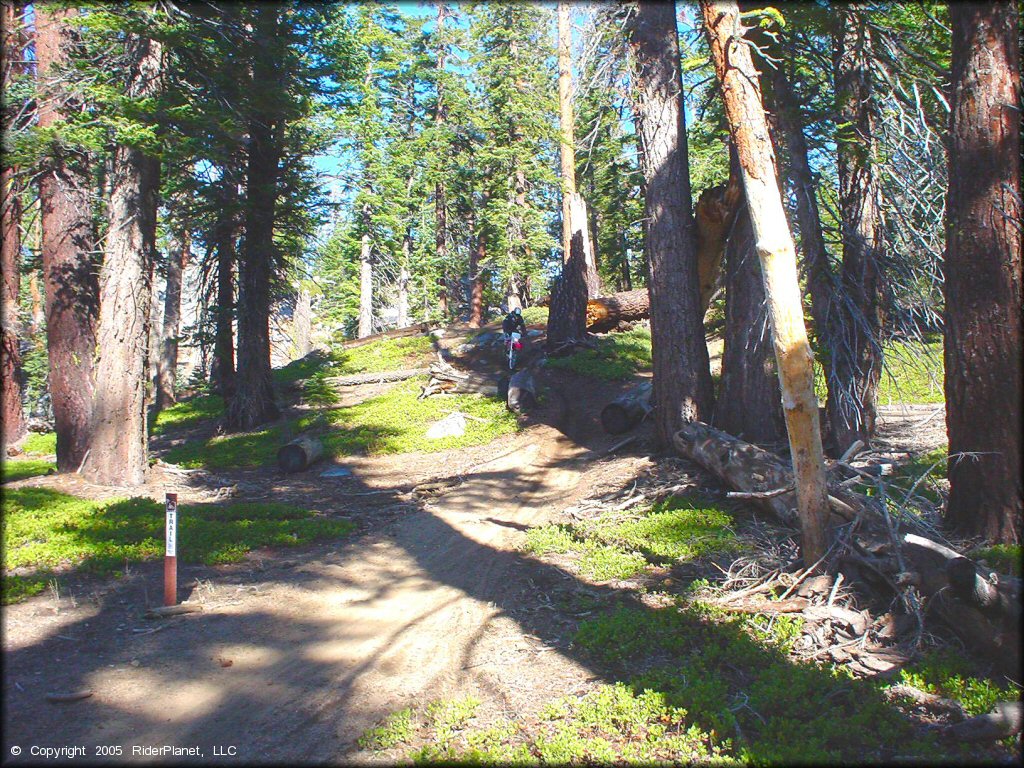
(187, 412)
(45, 530)
(40, 444)
(617, 356)
(20, 469)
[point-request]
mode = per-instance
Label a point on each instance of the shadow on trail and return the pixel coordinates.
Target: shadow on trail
(286, 680)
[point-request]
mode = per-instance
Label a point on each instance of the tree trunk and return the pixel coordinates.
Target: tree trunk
(167, 371)
(857, 356)
(68, 245)
(118, 450)
(983, 274)
(794, 359)
(253, 402)
(476, 281)
(403, 280)
(440, 196)
(302, 323)
(567, 320)
(819, 275)
(715, 213)
(682, 373)
(12, 412)
(397, 333)
(223, 368)
(748, 405)
(365, 286)
(567, 142)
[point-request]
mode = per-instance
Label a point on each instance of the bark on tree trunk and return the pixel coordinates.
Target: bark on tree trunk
(749, 404)
(167, 371)
(13, 427)
(440, 196)
(794, 360)
(68, 245)
(476, 281)
(857, 356)
(253, 402)
(118, 450)
(403, 280)
(983, 274)
(222, 372)
(715, 213)
(566, 145)
(682, 373)
(302, 324)
(567, 320)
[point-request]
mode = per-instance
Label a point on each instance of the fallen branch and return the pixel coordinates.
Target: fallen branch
(1005, 720)
(173, 610)
(379, 377)
(66, 697)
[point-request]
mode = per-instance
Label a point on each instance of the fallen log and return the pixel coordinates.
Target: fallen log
(604, 313)
(380, 377)
(627, 410)
(396, 333)
(299, 454)
(522, 392)
(173, 610)
(1005, 720)
(445, 378)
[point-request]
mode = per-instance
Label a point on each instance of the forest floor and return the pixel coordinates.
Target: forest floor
(433, 609)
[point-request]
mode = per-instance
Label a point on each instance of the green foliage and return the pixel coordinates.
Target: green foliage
(617, 356)
(949, 675)
(396, 729)
(448, 716)
(187, 413)
(20, 469)
(45, 530)
(1002, 558)
(532, 315)
(913, 374)
(619, 546)
(245, 449)
(41, 444)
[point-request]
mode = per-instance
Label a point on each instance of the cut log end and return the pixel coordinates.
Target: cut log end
(299, 454)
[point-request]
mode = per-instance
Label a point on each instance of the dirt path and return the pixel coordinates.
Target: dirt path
(293, 663)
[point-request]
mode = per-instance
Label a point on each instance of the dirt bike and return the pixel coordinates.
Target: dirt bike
(512, 347)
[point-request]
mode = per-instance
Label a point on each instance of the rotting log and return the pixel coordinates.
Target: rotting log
(1005, 720)
(396, 333)
(522, 391)
(627, 410)
(445, 378)
(299, 454)
(380, 377)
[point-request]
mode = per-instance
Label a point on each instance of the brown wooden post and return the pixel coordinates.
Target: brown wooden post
(171, 550)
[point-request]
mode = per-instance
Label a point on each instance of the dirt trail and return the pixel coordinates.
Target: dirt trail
(296, 665)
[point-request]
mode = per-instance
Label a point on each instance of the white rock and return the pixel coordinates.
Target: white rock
(452, 425)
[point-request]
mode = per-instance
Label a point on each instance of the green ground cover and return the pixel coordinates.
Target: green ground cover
(40, 444)
(394, 422)
(20, 469)
(616, 356)
(619, 545)
(45, 530)
(186, 413)
(913, 374)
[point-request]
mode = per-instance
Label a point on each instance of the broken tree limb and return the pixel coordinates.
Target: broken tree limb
(397, 333)
(173, 610)
(68, 697)
(299, 454)
(714, 214)
(929, 701)
(1005, 720)
(380, 377)
(627, 410)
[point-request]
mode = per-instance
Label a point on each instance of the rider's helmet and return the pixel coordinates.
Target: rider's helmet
(517, 311)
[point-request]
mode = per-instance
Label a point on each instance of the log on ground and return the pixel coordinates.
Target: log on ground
(299, 454)
(356, 379)
(607, 312)
(522, 392)
(397, 333)
(627, 410)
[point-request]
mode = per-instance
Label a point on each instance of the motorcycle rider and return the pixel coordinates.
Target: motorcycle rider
(512, 323)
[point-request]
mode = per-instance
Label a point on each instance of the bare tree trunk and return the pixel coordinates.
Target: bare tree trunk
(118, 450)
(983, 273)
(403, 280)
(567, 320)
(253, 402)
(512, 297)
(365, 285)
(302, 323)
(748, 405)
(794, 359)
(820, 279)
(440, 197)
(682, 373)
(167, 367)
(13, 414)
(68, 244)
(857, 354)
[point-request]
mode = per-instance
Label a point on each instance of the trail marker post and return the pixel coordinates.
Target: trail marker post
(171, 551)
